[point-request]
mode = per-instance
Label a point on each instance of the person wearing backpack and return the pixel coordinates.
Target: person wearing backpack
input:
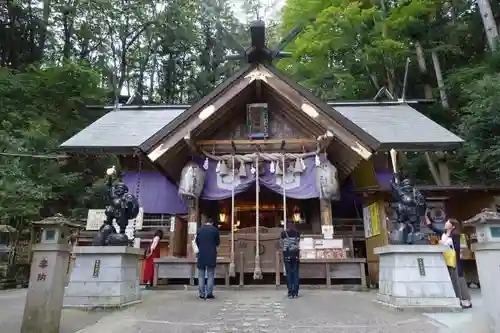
(290, 240)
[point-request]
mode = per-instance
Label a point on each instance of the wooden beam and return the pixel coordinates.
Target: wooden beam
(314, 113)
(253, 142)
(207, 111)
(191, 144)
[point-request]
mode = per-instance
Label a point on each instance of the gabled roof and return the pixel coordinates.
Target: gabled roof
(304, 102)
(121, 130)
(364, 126)
(399, 127)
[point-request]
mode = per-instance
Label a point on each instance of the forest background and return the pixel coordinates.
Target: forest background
(57, 56)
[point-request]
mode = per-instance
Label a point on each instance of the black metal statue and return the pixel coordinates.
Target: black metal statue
(122, 207)
(410, 207)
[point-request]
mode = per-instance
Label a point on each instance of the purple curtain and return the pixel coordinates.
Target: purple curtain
(157, 195)
(384, 179)
(297, 186)
(218, 187)
(349, 204)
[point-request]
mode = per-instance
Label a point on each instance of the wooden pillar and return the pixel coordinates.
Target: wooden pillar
(192, 226)
(178, 237)
(325, 207)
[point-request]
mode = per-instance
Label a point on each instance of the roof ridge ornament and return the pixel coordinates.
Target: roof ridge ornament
(258, 74)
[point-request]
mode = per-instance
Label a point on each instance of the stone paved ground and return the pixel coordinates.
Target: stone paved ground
(262, 310)
(256, 310)
(12, 307)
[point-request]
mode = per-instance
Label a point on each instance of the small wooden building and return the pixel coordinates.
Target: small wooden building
(259, 111)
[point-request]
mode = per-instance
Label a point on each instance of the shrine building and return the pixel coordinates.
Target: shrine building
(260, 150)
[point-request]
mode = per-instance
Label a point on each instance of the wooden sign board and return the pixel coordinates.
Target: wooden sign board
(96, 217)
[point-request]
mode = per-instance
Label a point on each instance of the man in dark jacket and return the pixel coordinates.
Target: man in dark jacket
(207, 240)
(290, 240)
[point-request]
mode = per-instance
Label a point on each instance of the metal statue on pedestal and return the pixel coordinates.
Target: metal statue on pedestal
(122, 207)
(410, 207)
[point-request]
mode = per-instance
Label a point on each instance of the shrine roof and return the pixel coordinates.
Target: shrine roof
(371, 125)
(122, 130)
(394, 125)
(399, 126)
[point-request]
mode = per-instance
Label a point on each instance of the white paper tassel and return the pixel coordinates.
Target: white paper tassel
(317, 161)
(252, 170)
(223, 168)
(303, 164)
(272, 168)
(205, 164)
(279, 172)
(217, 168)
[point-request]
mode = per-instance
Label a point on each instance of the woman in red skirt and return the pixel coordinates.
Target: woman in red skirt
(152, 253)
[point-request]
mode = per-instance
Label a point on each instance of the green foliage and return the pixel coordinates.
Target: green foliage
(480, 128)
(354, 47)
(40, 108)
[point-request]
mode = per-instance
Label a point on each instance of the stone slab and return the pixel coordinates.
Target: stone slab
(488, 266)
(44, 299)
(417, 279)
(113, 284)
(410, 249)
(102, 250)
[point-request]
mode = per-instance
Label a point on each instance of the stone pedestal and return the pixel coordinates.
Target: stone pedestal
(487, 253)
(488, 267)
(104, 277)
(415, 277)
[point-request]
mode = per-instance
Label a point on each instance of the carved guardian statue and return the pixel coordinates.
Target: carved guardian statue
(410, 206)
(122, 207)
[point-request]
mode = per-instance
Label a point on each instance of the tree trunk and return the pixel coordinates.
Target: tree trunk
(432, 169)
(489, 23)
(45, 27)
(423, 68)
(152, 79)
(440, 81)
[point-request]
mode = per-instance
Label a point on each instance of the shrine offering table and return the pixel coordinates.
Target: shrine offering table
(328, 269)
(184, 268)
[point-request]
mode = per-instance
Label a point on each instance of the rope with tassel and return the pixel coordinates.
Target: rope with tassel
(249, 158)
(257, 273)
(232, 270)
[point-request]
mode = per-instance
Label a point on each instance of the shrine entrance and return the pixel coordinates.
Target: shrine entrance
(271, 216)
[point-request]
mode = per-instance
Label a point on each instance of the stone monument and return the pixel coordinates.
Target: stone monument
(487, 253)
(412, 273)
(415, 277)
(44, 300)
(106, 275)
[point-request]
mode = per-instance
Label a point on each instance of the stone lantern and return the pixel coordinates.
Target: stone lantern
(49, 266)
(487, 253)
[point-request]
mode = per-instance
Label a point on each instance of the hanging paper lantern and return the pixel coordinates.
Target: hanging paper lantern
(217, 168)
(252, 169)
(327, 182)
(272, 168)
(317, 161)
(192, 180)
(303, 164)
(205, 164)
